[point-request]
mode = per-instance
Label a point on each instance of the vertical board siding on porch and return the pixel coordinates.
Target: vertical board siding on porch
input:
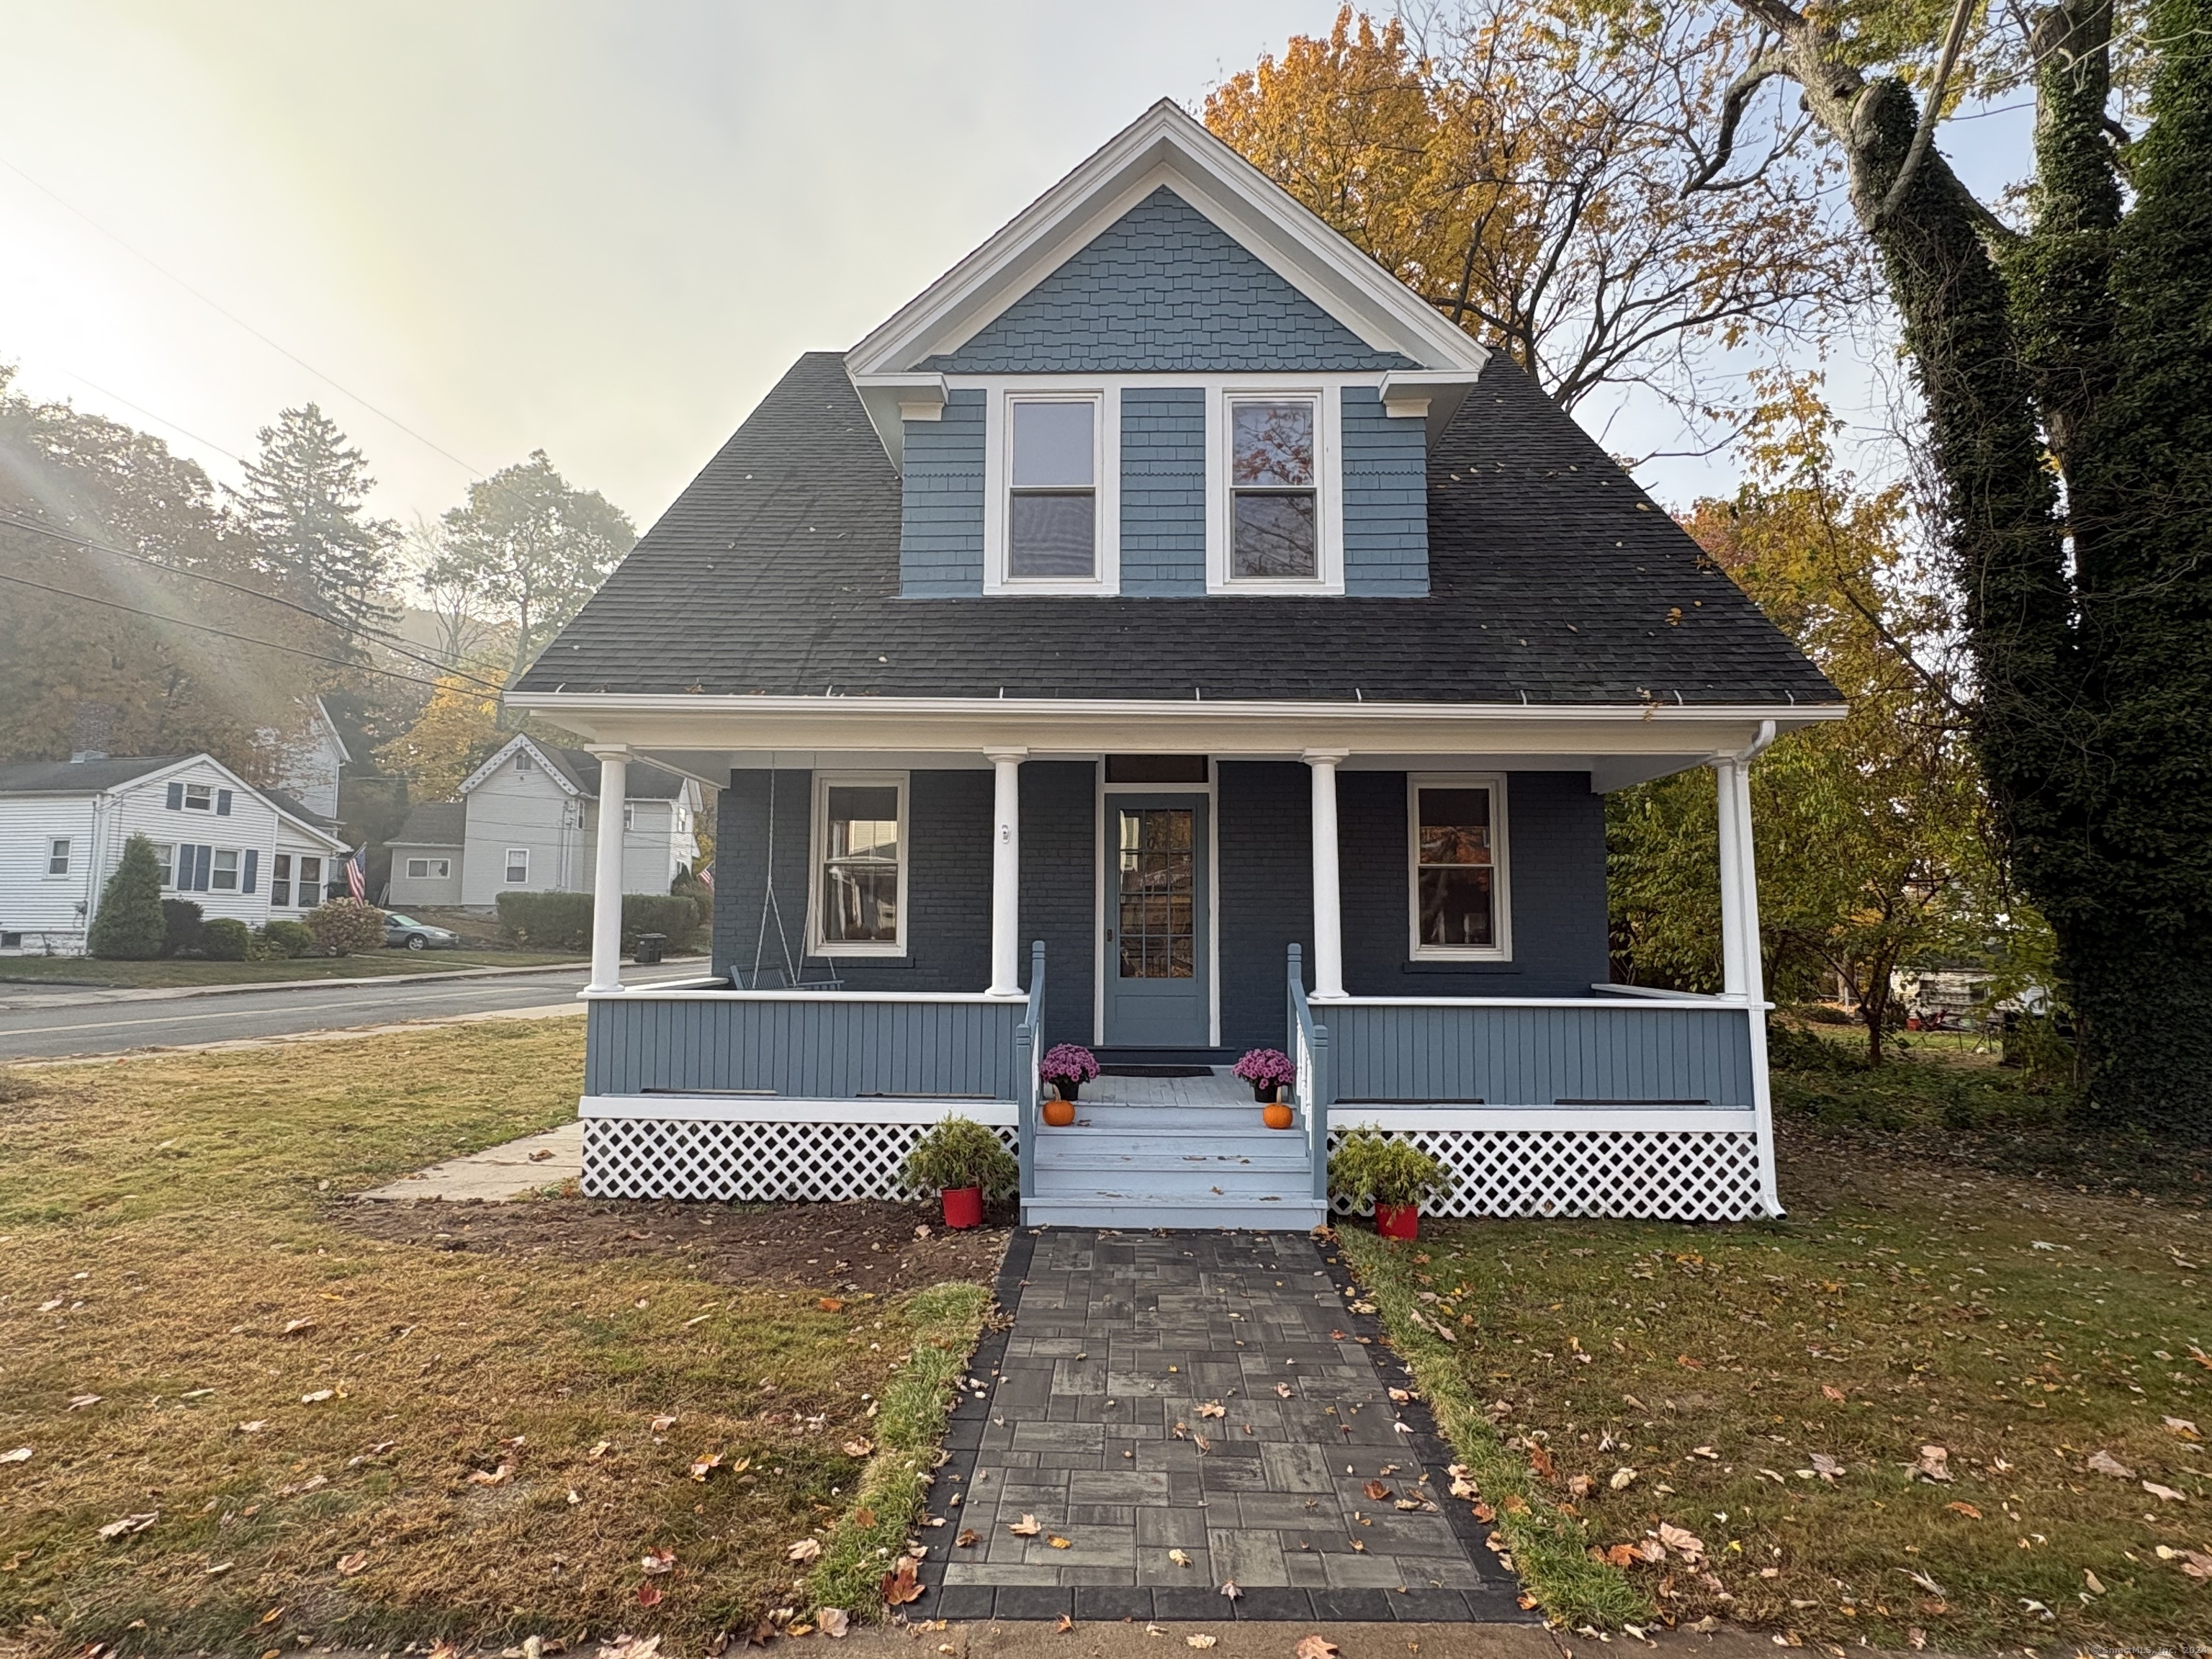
(1508, 1056)
(826, 1048)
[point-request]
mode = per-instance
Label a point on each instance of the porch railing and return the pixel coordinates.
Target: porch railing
(1310, 1092)
(1028, 1055)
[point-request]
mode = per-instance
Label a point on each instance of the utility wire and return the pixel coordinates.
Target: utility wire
(221, 633)
(223, 311)
(392, 642)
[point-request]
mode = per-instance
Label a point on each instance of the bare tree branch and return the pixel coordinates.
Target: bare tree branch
(1763, 69)
(1931, 111)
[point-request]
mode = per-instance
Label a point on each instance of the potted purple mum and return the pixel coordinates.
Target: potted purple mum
(1267, 1069)
(1067, 1066)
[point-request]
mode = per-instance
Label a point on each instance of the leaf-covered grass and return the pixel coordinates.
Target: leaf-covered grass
(944, 1323)
(163, 1221)
(1547, 1548)
(2022, 1326)
(169, 973)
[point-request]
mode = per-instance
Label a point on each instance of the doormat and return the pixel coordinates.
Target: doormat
(1156, 1070)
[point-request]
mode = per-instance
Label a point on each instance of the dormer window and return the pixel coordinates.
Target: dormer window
(1275, 516)
(1052, 507)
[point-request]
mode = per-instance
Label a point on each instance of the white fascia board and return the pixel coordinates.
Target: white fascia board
(345, 755)
(1075, 726)
(1164, 145)
(1431, 394)
(519, 741)
(891, 400)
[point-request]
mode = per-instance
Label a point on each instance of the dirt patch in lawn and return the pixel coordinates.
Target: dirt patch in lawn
(862, 1247)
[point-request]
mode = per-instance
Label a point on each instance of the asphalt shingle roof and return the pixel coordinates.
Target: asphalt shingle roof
(433, 824)
(66, 777)
(1553, 578)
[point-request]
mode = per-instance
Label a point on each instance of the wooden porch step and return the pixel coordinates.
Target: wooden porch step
(1147, 1210)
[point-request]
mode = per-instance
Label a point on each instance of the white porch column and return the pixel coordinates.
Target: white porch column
(1327, 904)
(1005, 871)
(606, 873)
(1727, 806)
(1743, 973)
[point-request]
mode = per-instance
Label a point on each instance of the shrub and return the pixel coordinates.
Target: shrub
(1368, 1165)
(227, 940)
(1068, 1062)
(130, 926)
(286, 938)
(562, 921)
(961, 1153)
(180, 927)
(344, 926)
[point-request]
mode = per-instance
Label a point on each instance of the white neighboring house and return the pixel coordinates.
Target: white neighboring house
(308, 767)
(254, 854)
(426, 856)
(531, 813)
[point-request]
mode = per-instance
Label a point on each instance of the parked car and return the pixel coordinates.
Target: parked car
(405, 931)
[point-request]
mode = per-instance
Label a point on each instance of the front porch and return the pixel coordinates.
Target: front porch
(1441, 915)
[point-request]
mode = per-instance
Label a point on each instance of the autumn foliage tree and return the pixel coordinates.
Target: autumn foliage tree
(457, 731)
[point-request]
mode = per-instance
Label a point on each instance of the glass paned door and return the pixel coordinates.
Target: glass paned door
(1156, 922)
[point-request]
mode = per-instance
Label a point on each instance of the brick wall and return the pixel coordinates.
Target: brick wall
(1163, 288)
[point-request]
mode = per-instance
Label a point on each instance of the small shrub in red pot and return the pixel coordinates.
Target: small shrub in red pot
(963, 1161)
(1395, 1176)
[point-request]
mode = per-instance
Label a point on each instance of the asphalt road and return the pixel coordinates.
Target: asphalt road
(29, 1031)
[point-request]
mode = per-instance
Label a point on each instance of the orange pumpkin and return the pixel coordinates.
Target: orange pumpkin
(1059, 1113)
(1275, 1114)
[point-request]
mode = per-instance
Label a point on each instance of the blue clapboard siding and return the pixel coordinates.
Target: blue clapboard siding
(1506, 1056)
(1386, 500)
(1164, 491)
(830, 1049)
(941, 503)
(1163, 290)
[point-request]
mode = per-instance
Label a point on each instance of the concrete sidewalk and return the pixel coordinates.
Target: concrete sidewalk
(26, 993)
(496, 1174)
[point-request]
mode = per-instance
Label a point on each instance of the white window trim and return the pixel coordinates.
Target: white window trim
(1501, 885)
(165, 857)
(818, 851)
(433, 870)
(506, 868)
(237, 870)
(630, 815)
(1106, 491)
(68, 844)
(186, 804)
(1329, 486)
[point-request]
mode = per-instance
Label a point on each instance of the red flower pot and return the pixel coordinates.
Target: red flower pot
(963, 1207)
(1396, 1220)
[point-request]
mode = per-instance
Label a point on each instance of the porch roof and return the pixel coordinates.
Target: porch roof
(1555, 582)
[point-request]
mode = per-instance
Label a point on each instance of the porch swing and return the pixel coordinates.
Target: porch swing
(792, 976)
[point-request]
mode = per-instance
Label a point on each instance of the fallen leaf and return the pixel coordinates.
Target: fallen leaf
(1622, 1480)
(20, 1455)
(318, 1396)
(1580, 1486)
(832, 1621)
(1315, 1646)
(968, 1539)
(81, 1401)
(599, 1450)
(864, 1517)
(2194, 1562)
(2102, 1462)
(1228, 1589)
(296, 1325)
(2096, 1584)
(1203, 1445)
(1933, 1464)
(1620, 1555)
(350, 1565)
(830, 1304)
(1830, 1391)
(1827, 1467)
(492, 1477)
(1916, 1637)
(2182, 1427)
(657, 1562)
(703, 1467)
(1376, 1489)
(1685, 1543)
(1213, 1408)
(901, 1586)
(1514, 1503)
(1058, 1542)
(662, 1425)
(254, 1427)
(130, 1524)
(2164, 1494)
(1965, 1509)
(648, 1595)
(807, 1549)
(1484, 1513)
(1202, 1640)
(628, 1647)
(1283, 1390)
(1401, 1396)
(859, 1447)
(1181, 1558)
(1025, 1527)
(1065, 1625)
(1924, 1582)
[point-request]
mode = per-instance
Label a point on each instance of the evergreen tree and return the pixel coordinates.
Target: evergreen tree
(304, 500)
(129, 926)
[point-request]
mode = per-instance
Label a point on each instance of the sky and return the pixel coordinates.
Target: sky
(604, 230)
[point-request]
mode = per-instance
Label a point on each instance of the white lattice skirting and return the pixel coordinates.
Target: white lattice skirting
(1662, 1175)
(705, 1158)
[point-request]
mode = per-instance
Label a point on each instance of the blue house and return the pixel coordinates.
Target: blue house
(1168, 633)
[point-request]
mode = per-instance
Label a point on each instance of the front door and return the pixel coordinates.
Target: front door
(1157, 936)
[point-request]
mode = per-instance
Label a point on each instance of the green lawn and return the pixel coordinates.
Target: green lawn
(369, 964)
(312, 1435)
(1959, 1270)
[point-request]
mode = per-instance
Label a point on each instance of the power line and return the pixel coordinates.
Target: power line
(223, 311)
(158, 420)
(392, 642)
(221, 633)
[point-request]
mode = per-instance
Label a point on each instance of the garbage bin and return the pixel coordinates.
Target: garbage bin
(648, 949)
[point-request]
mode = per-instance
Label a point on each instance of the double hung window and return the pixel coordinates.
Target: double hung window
(859, 861)
(165, 856)
(1458, 868)
(1274, 519)
(311, 883)
(280, 880)
(1052, 490)
(57, 856)
(223, 875)
(518, 866)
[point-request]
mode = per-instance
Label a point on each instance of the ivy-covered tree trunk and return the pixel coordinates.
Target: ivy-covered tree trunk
(2067, 376)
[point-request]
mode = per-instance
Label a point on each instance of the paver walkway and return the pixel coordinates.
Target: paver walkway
(1097, 1423)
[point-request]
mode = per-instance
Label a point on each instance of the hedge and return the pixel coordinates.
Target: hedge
(562, 921)
(226, 939)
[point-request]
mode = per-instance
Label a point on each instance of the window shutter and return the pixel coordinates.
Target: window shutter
(252, 863)
(176, 797)
(202, 859)
(222, 803)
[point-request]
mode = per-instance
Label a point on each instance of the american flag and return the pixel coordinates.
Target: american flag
(707, 878)
(356, 870)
